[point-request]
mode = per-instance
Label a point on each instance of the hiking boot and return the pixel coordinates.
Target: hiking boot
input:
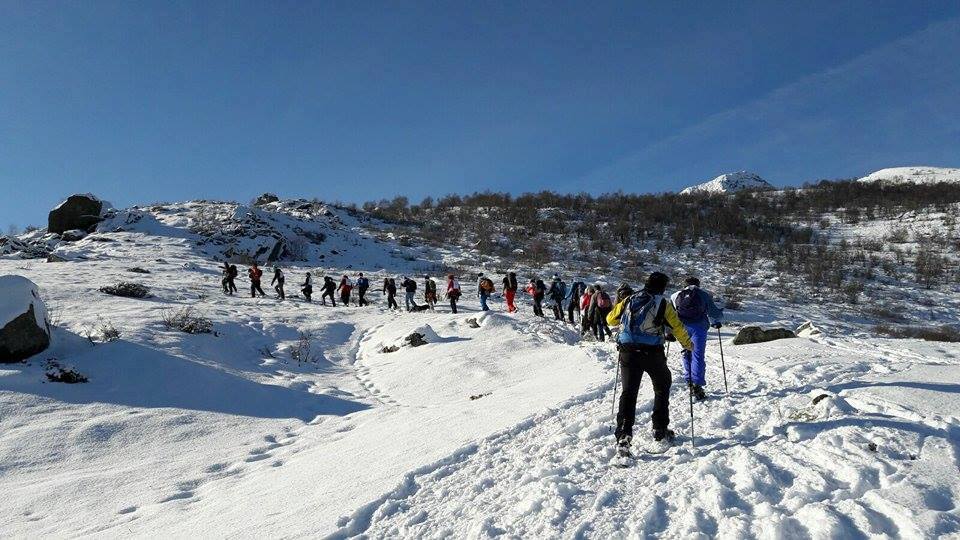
(663, 435)
(623, 445)
(698, 393)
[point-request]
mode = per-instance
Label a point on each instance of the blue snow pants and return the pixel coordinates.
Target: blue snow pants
(694, 363)
(483, 302)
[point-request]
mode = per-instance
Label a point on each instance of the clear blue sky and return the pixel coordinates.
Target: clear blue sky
(141, 102)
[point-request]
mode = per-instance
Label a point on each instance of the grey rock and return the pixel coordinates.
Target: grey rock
(21, 338)
(77, 212)
(266, 198)
(73, 235)
(755, 334)
(415, 339)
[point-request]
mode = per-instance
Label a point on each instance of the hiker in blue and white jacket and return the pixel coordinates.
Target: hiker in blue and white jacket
(698, 313)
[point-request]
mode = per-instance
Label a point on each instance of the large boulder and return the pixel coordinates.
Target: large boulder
(755, 334)
(266, 198)
(24, 327)
(77, 212)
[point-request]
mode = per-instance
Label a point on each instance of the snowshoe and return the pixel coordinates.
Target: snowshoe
(624, 457)
(662, 441)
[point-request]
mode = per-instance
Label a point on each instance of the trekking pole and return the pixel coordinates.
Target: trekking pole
(668, 349)
(613, 403)
(723, 363)
(693, 443)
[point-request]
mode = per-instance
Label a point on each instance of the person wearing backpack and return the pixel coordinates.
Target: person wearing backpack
(600, 306)
(329, 286)
(346, 285)
(644, 318)
(697, 312)
(362, 285)
(586, 319)
(410, 288)
(558, 291)
(453, 292)
(225, 271)
(307, 287)
(539, 293)
(255, 273)
(484, 290)
(430, 292)
(577, 288)
(277, 282)
(510, 287)
(390, 289)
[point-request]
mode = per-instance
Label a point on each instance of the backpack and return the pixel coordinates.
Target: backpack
(232, 271)
(642, 320)
(431, 286)
(486, 285)
(603, 301)
(561, 291)
(690, 306)
(363, 283)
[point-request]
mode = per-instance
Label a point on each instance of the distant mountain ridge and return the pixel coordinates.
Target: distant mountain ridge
(730, 183)
(914, 175)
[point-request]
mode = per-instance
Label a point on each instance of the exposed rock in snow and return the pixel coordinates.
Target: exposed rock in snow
(266, 198)
(77, 212)
(755, 334)
(730, 183)
(24, 330)
(914, 175)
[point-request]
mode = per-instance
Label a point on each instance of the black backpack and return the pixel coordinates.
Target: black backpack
(690, 306)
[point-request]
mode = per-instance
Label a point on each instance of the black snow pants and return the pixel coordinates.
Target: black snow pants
(538, 305)
(327, 293)
(362, 297)
(255, 288)
(634, 362)
(573, 306)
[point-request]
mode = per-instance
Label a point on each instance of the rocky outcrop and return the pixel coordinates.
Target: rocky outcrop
(24, 329)
(755, 334)
(77, 212)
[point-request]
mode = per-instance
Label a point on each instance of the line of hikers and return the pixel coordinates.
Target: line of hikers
(646, 319)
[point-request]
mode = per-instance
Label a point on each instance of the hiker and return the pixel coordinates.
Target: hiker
(390, 289)
(233, 273)
(643, 318)
(430, 292)
(255, 273)
(510, 287)
(586, 320)
(225, 282)
(537, 290)
(697, 312)
(362, 285)
(410, 290)
(346, 285)
(307, 287)
(577, 288)
(623, 291)
(600, 306)
(453, 292)
(329, 286)
(484, 290)
(558, 291)
(277, 281)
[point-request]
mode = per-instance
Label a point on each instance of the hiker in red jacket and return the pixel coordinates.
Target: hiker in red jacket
(255, 273)
(510, 287)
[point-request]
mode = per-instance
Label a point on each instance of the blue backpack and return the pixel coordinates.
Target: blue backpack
(639, 323)
(690, 306)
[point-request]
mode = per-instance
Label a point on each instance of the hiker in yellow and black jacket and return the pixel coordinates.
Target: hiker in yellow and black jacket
(646, 318)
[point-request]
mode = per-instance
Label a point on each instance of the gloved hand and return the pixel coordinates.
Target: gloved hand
(717, 325)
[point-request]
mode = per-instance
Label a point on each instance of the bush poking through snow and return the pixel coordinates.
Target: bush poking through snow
(186, 320)
(102, 332)
(302, 352)
(127, 290)
(57, 373)
(138, 270)
(945, 332)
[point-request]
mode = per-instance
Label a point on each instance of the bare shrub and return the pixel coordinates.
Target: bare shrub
(127, 290)
(302, 352)
(185, 320)
(927, 333)
(297, 249)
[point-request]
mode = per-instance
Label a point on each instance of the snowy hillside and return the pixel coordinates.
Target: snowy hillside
(731, 183)
(292, 419)
(914, 175)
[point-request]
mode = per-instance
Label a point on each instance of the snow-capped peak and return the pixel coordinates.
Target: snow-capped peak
(914, 175)
(731, 182)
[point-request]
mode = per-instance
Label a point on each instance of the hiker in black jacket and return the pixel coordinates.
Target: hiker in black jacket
(278, 280)
(328, 289)
(390, 289)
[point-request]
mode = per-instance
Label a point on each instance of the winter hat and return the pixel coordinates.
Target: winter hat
(692, 281)
(657, 283)
(591, 290)
(556, 277)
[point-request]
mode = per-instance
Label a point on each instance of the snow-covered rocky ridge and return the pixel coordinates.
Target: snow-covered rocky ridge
(914, 175)
(498, 426)
(731, 183)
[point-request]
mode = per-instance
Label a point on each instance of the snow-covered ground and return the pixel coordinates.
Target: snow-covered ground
(914, 175)
(731, 183)
(501, 429)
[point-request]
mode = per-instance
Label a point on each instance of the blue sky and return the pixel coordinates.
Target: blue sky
(141, 102)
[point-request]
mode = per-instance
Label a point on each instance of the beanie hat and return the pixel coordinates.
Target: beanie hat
(692, 281)
(657, 283)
